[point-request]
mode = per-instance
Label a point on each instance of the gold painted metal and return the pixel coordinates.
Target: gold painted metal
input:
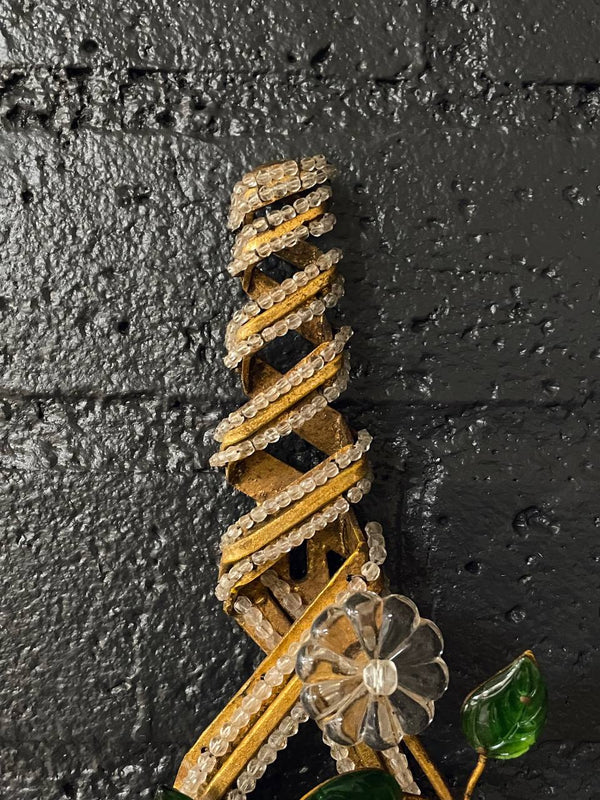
(262, 475)
(239, 757)
(475, 776)
(414, 745)
(285, 227)
(286, 306)
(285, 404)
(295, 514)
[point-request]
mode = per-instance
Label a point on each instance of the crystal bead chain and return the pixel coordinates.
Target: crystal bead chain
(295, 377)
(248, 256)
(288, 600)
(287, 287)
(398, 765)
(295, 419)
(288, 541)
(250, 193)
(267, 753)
(356, 584)
(274, 218)
(280, 546)
(292, 321)
(230, 731)
(340, 755)
(255, 621)
(377, 551)
(297, 491)
(244, 252)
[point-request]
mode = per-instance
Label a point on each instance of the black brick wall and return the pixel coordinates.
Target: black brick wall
(468, 204)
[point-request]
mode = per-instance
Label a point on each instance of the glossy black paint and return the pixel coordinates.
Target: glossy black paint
(467, 139)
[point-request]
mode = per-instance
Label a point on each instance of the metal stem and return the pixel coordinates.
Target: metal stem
(475, 775)
(429, 768)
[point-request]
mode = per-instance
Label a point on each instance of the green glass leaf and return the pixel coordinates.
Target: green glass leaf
(164, 793)
(364, 784)
(504, 716)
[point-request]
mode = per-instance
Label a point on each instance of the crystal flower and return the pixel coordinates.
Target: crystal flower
(371, 670)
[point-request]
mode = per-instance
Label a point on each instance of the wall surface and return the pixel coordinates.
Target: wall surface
(468, 199)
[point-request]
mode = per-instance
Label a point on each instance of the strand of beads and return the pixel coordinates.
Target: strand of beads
(231, 730)
(299, 206)
(377, 551)
(237, 350)
(294, 419)
(267, 753)
(356, 584)
(340, 754)
(294, 377)
(398, 764)
(294, 538)
(280, 546)
(287, 287)
(247, 254)
(296, 491)
(272, 183)
(255, 621)
(288, 600)
(245, 244)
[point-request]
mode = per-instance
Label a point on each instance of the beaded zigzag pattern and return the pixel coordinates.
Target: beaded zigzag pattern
(299, 518)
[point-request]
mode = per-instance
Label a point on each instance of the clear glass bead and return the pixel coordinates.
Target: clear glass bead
(267, 754)
(370, 571)
(380, 677)
(299, 714)
(288, 726)
(229, 732)
(286, 663)
(262, 690)
(264, 630)
(251, 704)
(256, 768)
(218, 746)
(246, 783)
(278, 740)
(240, 718)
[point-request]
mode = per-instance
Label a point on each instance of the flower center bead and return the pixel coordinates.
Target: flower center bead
(380, 676)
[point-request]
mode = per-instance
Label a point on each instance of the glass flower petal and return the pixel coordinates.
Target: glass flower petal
(334, 630)
(400, 618)
(316, 663)
(428, 680)
(414, 712)
(371, 669)
(321, 699)
(423, 645)
(364, 610)
(381, 728)
(345, 724)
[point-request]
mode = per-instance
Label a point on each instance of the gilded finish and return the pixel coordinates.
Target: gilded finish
(475, 776)
(262, 475)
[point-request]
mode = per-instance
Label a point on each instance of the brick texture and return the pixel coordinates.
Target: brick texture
(467, 201)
